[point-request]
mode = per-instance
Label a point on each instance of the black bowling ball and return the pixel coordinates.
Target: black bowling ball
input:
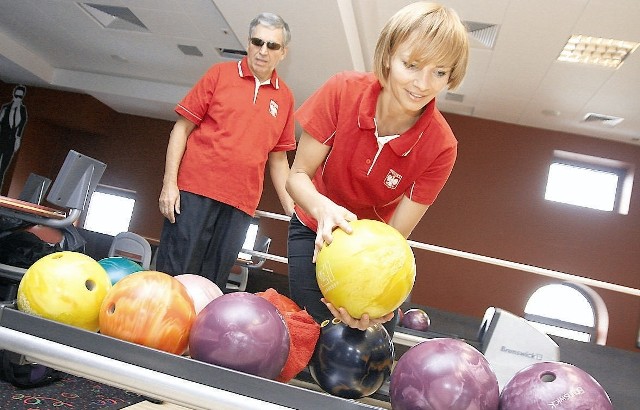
(351, 363)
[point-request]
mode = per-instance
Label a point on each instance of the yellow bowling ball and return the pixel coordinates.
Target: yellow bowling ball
(371, 270)
(67, 287)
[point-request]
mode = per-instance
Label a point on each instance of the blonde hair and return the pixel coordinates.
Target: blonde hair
(436, 34)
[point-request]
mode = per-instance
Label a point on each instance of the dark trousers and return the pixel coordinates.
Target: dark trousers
(204, 240)
(303, 286)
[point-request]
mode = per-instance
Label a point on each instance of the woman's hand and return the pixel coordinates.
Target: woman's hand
(331, 216)
(363, 323)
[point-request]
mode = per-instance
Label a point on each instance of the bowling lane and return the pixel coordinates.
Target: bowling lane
(153, 373)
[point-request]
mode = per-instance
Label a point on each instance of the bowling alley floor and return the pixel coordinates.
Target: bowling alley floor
(145, 405)
(73, 392)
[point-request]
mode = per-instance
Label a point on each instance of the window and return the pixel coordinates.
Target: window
(110, 210)
(250, 240)
(591, 182)
(568, 310)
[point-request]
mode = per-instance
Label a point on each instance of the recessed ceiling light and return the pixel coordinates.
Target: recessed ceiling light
(604, 52)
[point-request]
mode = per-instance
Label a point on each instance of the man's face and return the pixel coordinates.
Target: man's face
(263, 60)
(18, 95)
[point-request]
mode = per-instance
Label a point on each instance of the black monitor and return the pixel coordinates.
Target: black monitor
(35, 188)
(76, 181)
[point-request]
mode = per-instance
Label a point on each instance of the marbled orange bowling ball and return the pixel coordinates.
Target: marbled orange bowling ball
(149, 308)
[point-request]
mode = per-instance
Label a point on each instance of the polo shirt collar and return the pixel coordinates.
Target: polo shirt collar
(244, 71)
(405, 142)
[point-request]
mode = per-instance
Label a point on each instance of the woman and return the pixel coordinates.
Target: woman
(374, 146)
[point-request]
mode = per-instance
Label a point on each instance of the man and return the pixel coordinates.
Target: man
(238, 117)
(13, 117)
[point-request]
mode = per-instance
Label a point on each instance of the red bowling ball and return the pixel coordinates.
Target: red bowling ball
(351, 363)
(443, 373)
(416, 319)
(241, 331)
(553, 385)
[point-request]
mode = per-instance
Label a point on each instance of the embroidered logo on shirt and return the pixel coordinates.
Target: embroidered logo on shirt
(392, 179)
(273, 108)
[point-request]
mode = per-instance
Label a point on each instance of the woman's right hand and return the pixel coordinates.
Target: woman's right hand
(329, 217)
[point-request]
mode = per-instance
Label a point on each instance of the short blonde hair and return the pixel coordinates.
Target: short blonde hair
(436, 33)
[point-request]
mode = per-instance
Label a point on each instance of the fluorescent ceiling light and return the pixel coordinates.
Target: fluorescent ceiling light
(604, 52)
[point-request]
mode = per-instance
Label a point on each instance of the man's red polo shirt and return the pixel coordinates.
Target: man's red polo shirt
(226, 153)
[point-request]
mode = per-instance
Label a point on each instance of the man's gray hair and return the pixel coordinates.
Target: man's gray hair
(271, 20)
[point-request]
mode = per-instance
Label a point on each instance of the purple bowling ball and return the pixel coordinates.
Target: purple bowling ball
(443, 373)
(416, 319)
(553, 385)
(241, 331)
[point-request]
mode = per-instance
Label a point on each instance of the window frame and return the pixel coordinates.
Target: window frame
(623, 170)
(597, 333)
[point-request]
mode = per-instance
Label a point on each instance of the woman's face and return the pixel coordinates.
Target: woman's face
(413, 87)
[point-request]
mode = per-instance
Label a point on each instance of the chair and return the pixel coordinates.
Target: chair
(239, 275)
(132, 246)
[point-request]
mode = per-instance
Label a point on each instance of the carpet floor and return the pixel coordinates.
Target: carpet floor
(69, 392)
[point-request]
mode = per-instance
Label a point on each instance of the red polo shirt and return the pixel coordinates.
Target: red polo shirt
(237, 127)
(370, 184)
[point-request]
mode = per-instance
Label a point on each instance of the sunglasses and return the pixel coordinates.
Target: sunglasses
(258, 42)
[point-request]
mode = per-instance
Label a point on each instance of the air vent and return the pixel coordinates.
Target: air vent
(190, 50)
(454, 97)
(114, 17)
(607, 120)
(484, 34)
(231, 53)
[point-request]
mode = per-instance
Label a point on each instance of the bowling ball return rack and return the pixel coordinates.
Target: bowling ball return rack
(150, 372)
(169, 377)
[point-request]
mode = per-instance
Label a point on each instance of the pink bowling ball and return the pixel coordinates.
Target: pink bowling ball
(201, 289)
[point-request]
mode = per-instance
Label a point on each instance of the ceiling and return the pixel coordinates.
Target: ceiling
(57, 44)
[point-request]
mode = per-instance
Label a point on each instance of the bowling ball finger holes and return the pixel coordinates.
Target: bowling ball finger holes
(90, 285)
(333, 321)
(111, 309)
(547, 377)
